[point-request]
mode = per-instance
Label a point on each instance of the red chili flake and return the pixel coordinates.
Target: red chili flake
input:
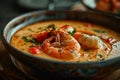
(76, 35)
(106, 49)
(34, 50)
(110, 40)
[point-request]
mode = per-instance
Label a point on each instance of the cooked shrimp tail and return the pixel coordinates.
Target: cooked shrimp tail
(61, 45)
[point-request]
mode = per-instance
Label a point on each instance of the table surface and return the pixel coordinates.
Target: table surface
(8, 10)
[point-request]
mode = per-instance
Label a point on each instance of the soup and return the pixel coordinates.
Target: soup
(66, 40)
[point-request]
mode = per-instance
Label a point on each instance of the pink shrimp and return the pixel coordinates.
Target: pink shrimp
(88, 40)
(61, 45)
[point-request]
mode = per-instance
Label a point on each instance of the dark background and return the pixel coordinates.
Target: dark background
(11, 8)
(8, 10)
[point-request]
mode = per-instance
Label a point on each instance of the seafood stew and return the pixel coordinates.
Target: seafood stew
(66, 40)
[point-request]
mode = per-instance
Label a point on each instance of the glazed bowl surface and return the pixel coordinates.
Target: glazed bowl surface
(34, 65)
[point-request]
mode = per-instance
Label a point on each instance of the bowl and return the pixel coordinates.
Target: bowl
(35, 67)
(92, 5)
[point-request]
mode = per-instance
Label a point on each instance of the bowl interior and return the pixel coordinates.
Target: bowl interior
(111, 22)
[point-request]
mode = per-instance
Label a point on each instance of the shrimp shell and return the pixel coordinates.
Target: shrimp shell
(61, 45)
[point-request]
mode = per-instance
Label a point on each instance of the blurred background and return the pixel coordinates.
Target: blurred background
(12, 8)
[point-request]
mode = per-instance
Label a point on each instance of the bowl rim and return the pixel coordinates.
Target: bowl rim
(49, 60)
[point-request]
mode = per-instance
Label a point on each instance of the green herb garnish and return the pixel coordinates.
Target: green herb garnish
(98, 31)
(30, 30)
(23, 44)
(99, 55)
(25, 39)
(51, 26)
(30, 40)
(77, 61)
(71, 33)
(33, 41)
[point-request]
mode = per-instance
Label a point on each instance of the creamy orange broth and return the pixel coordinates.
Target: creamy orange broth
(85, 55)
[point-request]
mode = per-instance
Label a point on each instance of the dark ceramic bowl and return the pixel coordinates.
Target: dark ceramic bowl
(33, 66)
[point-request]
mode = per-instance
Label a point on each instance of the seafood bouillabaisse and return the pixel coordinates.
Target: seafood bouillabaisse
(65, 40)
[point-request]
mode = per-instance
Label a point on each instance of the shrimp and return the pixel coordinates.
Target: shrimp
(88, 41)
(61, 45)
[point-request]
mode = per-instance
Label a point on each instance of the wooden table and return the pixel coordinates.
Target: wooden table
(9, 72)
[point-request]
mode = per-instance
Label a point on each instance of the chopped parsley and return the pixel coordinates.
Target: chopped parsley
(45, 29)
(98, 31)
(33, 41)
(99, 56)
(51, 26)
(23, 44)
(25, 39)
(30, 30)
(30, 40)
(71, 33)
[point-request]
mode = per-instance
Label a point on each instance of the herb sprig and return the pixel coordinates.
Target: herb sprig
(98, 31)
(32, 40)
(51, 26)
(71, 33)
